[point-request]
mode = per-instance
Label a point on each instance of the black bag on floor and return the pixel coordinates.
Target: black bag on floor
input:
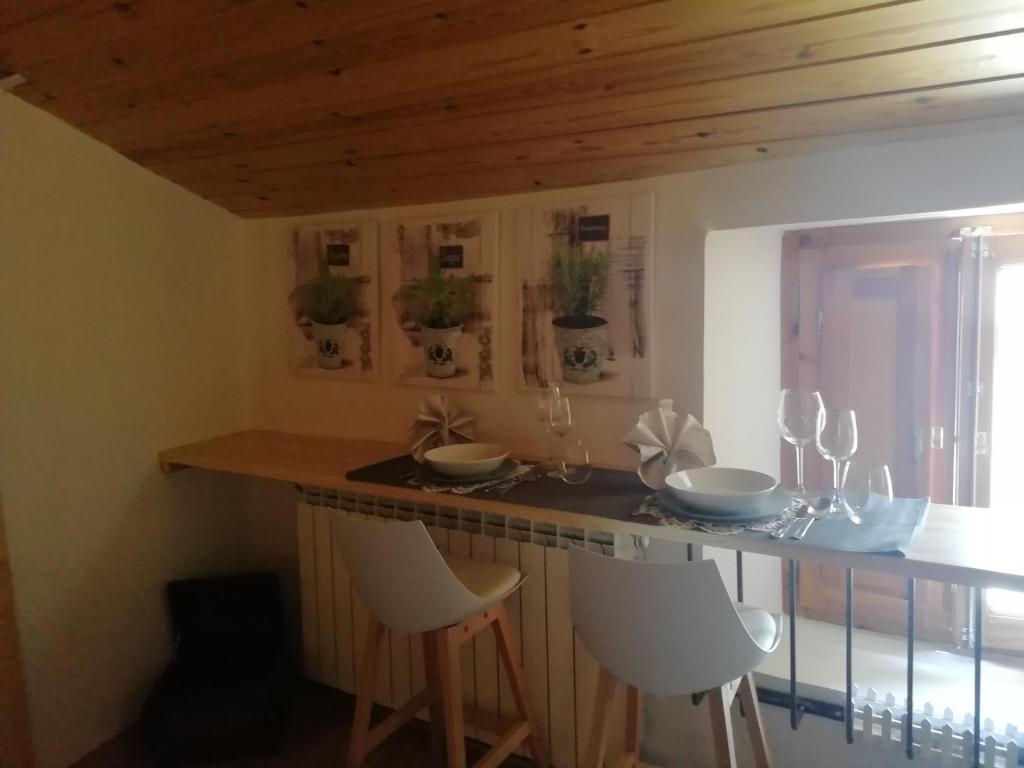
(225, 695)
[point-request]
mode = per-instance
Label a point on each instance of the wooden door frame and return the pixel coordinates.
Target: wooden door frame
(15, 734)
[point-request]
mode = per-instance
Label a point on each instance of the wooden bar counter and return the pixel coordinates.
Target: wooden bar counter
(961, 545)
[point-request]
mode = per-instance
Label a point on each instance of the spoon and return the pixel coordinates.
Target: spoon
(815, 511)
(802, 511)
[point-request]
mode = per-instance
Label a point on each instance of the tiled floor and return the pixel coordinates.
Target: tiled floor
(317, 738)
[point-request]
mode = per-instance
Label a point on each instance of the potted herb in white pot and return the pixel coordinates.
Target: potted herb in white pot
(328, 300)
(441, 305)
(579, 281)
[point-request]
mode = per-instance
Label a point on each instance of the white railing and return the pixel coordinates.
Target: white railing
(940, 739)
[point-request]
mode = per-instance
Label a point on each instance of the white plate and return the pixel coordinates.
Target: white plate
(507, 469)
(466, 459)
(721, 490)
(676, 508)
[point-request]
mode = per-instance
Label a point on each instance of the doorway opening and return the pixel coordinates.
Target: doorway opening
(919, 327)
(999, 450)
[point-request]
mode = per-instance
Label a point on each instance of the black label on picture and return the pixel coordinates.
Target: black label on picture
(593, 229)
(337, 254)
(450, 256)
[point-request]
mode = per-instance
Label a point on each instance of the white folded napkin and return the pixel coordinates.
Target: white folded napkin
(439, 423)
(668, 443)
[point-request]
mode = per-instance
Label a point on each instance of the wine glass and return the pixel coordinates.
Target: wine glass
(542, 403)
(575, 467)
(798, 423)
(560, 421)
(542, 410)
(865, 484)
(837, 442)
(559, 424)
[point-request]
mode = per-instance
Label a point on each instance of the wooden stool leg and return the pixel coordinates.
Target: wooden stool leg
(451, 696)
(755, 725)
(432, 672)
(607, 686)
(514, 670)
(358, 739)
(721, 727)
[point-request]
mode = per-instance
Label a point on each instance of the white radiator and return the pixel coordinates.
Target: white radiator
(560, 674)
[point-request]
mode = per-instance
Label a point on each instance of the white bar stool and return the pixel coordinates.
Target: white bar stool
(669, 629)
(409, 587)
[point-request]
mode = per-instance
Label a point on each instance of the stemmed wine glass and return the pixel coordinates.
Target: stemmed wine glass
(798, 423)
(559, 423)
(865, 484)
(837, 442)
(542, 410)
(575, 467)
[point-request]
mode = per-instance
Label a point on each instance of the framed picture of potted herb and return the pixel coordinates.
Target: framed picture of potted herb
(335, 301)
(584, 304)
(440, 305)
(328, 301)
(439, 282)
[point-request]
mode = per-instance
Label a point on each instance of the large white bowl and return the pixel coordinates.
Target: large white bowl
(721, 490)
(466, 459)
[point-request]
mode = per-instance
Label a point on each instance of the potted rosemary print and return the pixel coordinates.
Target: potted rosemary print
(579, 281)
(329, 301)
(440, 306)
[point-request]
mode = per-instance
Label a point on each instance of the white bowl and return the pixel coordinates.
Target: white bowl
(720, 489)
(466, 459)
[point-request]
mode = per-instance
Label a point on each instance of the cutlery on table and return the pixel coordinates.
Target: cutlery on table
(534, 473)
(802, 511)
(793, 507)
(483, 487)
(816, 510)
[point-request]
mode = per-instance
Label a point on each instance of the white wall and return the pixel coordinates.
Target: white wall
(742, 355)
(742, 370)
(120, 334)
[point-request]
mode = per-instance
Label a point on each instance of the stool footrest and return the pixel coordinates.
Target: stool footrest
(503, 747)
(488, 721)
(396, 719)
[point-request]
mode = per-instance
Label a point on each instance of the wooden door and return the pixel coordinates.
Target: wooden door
(871, 325)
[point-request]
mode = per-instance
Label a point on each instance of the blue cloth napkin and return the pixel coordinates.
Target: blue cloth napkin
(888, 528)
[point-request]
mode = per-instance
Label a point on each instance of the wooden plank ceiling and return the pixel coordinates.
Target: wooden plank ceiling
(271, 107)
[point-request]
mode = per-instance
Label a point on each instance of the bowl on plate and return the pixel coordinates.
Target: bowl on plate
(721, 490)
(466, 459)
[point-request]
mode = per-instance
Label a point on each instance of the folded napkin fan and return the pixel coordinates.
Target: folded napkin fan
(668, 443)
(439, 423)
